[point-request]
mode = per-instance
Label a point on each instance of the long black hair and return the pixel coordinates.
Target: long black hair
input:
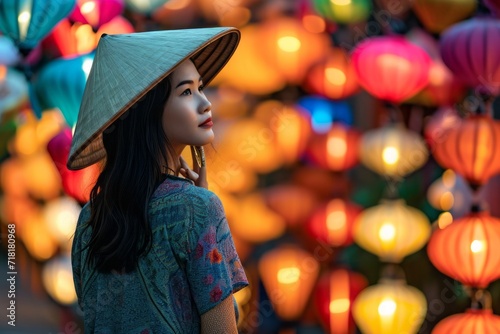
(136, 156)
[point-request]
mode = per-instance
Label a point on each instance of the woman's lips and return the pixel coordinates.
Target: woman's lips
(207, 124)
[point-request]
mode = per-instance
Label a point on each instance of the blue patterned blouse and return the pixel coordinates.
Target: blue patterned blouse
(192, 266)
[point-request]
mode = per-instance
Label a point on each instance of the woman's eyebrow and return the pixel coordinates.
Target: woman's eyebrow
(184, 82)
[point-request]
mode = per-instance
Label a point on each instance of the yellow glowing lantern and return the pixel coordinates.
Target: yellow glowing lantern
(41, 176)
(57, 278)
(290, 127)
(392, 230)
(393, 151)
(288, 274)
(390, 307)
(255, 221)
(38, 241)
(233, 11)
(252, 144)
(289, 48)
(61, 216)
(247, 70)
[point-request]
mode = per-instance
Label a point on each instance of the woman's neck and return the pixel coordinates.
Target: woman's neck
(174, 164)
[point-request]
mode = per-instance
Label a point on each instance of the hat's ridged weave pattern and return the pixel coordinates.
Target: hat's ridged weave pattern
(127, 66)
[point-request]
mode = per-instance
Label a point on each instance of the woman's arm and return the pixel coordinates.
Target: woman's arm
(220, 319)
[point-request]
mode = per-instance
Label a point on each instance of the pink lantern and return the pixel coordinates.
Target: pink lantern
(96, 12)
(76, 184)
(391, 68)
(467, 49)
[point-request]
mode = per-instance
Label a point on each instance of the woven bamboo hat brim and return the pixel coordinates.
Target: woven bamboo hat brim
(127, 66)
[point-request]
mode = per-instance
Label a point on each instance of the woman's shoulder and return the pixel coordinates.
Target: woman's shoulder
(176, 190)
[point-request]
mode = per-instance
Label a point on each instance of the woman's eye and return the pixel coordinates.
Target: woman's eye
(201, 88)
(186, 92)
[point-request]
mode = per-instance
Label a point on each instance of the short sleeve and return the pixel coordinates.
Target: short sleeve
(213, 267)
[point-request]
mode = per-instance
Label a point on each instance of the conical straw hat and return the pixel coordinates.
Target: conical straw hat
(127, 66)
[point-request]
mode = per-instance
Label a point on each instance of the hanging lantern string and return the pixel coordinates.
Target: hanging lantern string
(480, 298)
(394, 114)
(392, 272)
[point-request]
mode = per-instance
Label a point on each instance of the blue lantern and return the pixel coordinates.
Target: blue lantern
(325, 112)
(60, 84)
(27, 22)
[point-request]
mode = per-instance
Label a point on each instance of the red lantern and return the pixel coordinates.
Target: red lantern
(335, 150)
(76, 39)
(472, 321)
(471, 149)
(334, 295)
(467, 49)
(333, 77)
(467, 249)
(96, 12)
(333, 222)
(391, 68)
(76, 184)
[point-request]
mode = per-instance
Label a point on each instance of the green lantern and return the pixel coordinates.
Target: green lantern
(343, 11)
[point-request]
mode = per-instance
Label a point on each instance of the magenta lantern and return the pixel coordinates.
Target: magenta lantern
(96, 12)
(391, 68)
(470, 51)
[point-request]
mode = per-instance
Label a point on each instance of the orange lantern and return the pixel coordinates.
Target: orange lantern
(255, 221)
(467, 249)
(289, 48)
(291, 128)
(288, 274)
(334, 295)
(333, 77)
(247, 70)
(333, 222)
(36, 237)
(293, 203)
(335, 150)
(252, 144)
(430, 12)
(472, 321)
(471, 149)
(41, 177)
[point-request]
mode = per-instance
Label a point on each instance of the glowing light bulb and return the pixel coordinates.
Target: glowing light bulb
(387, 308)
(288, 275)
(87, 7)
(336, 147)
(477, 246)
(340, 305)
(387, 232)
(289, 44)
(390, 155)
(335, 76)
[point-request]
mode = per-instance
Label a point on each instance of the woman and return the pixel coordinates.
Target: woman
(152, 252)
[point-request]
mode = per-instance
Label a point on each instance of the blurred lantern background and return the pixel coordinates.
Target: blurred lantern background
(356, 156)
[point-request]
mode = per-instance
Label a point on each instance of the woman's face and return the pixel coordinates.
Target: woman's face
(187, 114)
